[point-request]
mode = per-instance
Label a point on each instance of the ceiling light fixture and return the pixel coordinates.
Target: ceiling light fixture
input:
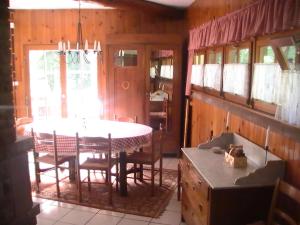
(80, 48)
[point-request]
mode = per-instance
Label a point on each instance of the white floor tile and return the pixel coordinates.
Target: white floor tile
(174, 206)
(132, 222)
(169, 218)
(54, 212)
(77, 217)
(62, 223)
(86, 209)
(100, 219)
(135, 217)
(64, 205)
(39, 200)
(111, 213)
(43, 221)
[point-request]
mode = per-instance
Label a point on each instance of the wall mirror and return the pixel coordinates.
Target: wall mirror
(161, 88)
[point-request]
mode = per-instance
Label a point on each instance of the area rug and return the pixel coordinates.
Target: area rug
(138, 202)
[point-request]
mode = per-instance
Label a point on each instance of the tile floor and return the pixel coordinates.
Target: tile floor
(58, 213)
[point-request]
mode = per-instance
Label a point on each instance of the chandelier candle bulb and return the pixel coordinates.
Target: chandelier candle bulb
(64, 46)
(69, 48)
(227, 119)
(77, 46)
(95, 45)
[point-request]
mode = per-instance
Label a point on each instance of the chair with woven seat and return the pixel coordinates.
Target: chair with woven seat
(49, 146)
(278, 215)
(100, 146)
(149, 155)
(159, 112)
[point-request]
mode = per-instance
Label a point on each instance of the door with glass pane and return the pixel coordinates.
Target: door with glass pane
(127, 82)
(45, 88)
(63, 85)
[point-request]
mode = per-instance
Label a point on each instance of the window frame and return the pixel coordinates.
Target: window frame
(63, 78)
(231, 96)
(219, 49)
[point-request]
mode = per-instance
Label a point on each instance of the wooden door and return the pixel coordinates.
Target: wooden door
(126, 82)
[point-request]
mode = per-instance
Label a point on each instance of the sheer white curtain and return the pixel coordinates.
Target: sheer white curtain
(288, 104)
(197, 75)
(266, 82)
(212, 76)
(236, 79)
(166, 71)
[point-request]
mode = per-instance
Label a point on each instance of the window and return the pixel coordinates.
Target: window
(45, 89)
(58, 90)
(166, 68)
(236, 70)
(197, 69)
(212, 70)
(124, 58)
(266, 79)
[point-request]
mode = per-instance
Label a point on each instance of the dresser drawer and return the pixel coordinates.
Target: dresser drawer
(189, 213)
(196, 182)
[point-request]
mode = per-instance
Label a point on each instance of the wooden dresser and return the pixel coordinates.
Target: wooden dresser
(213, 193)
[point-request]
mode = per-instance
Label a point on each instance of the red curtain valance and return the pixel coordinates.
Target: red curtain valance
(259, 18)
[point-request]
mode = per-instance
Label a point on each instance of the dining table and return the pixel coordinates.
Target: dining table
(125, 136)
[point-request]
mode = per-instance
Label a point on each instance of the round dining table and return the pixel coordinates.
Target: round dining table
(125, 136)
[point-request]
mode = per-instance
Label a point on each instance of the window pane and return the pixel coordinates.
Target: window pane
(212, 76)
(267, 55)
(290, 54)
(198, 59)
(219, 58)
(125, 58)
(244, 55)
(82, 93)
(45, 90)
(211, 57)
(232, 55)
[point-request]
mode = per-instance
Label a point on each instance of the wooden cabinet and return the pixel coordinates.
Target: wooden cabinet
(139, 67)
(203, 205)
(210, 193)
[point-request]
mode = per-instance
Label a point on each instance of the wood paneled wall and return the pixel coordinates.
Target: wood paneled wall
(47, 27)
(206, 117)
(202, 11)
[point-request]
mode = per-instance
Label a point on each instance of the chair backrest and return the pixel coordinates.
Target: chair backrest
(277, 214)
(126, 119)
(54, 144)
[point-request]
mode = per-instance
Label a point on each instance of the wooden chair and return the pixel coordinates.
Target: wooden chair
(278, 215)
(149, 155)
(49, 144)
(98, 145)
(159, 111)
(125, 119)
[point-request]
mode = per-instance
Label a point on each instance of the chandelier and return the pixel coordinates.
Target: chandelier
(80, 47)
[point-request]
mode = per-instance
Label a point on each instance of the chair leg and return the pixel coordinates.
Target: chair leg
(117, 175)
(134, 172)
(37, 181)
(141, 171)
(79, 185)
(110, 188)
(152, 179)
(89, 181)
(179, 183)
(160, 171)
(57, 182)
(72, 169)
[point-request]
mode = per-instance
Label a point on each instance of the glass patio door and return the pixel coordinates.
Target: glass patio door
(63, 86)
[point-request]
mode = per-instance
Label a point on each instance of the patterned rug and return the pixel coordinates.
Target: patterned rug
(138, 202)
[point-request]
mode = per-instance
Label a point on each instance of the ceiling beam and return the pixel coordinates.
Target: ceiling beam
(144, 6)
